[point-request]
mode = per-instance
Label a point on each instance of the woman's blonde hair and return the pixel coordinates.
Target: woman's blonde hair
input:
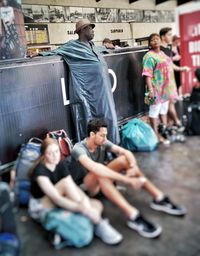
(47, 142)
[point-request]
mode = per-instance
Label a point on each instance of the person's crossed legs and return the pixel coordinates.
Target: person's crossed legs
(95, 184)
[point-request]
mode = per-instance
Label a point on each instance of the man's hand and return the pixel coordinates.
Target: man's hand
(185, 68)
(151, 94)
(88, 210)
(177, 57)
(133, 171)
(31, 54)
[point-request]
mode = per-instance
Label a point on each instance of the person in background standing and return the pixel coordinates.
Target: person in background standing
(166, 40)
(89, 84)
(158, 73)
(176, 60)
(108, 44)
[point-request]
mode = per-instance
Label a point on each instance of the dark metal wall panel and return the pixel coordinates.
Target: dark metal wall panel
(31, 100)
(129, 93)
(31, 103)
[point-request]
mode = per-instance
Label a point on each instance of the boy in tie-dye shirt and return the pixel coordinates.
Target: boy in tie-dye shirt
(160, 83)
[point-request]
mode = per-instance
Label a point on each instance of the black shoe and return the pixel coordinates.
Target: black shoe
(144, 227)
(163, 131)
(166, 205)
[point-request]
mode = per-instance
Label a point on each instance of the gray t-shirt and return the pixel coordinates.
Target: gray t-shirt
(99, 155)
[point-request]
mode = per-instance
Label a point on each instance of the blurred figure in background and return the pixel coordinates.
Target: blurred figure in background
(195, 94)
(176, 60)
(197, 77)
(108, 43)
(166, 40)
(160, 83)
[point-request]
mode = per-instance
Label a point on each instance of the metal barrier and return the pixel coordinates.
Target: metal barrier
(34, 96)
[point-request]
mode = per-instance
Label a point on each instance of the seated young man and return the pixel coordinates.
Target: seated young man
(89, 156)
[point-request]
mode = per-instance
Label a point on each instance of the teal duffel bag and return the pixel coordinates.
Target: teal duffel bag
(138, 136)
(75, 229)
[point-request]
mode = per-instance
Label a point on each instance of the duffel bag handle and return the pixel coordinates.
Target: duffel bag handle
(36, 140)
(55, 134)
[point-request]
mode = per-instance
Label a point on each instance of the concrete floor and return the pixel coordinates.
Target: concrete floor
(174, 169)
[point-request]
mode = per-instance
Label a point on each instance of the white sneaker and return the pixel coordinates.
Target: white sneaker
(107, 233)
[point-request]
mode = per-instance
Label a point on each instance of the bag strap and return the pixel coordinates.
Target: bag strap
(35, 139)
(56, 134)
(61, 135)
(69, 143)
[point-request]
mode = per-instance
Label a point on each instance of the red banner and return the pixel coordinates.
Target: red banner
(189, 27)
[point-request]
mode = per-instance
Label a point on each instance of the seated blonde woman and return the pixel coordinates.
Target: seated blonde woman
(52, 186)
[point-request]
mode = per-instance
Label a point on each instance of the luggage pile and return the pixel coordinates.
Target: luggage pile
(192, 113)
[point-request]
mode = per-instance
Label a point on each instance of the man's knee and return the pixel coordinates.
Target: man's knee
(123, 160)
(90, 179)
(91, 184)
(120, 162)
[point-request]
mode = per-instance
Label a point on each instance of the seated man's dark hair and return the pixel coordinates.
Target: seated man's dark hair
(95, 124)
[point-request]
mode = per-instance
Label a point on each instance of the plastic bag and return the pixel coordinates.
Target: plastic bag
(75, 229)
(138, 136)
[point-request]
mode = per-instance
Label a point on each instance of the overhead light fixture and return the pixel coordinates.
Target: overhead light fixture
(160, 1)
(179, 2)
(132, 1)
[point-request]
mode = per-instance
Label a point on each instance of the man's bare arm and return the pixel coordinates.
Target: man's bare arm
(101, 170)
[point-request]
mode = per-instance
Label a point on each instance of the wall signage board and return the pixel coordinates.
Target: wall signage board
(37, 34)
(188, 21)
